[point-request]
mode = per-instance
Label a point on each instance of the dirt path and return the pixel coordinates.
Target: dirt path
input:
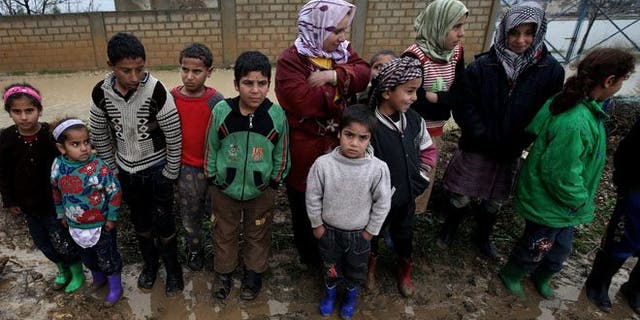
(451, 285)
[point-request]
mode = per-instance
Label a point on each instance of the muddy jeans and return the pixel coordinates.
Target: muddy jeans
(104, 255)
(255, 217)
(192, 197)
(149, 195)
(542, 247)
(344, 255)
(52, 238)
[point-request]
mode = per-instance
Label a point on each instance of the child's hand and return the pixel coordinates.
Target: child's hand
(319, 78)
(109, 225)
(15, 210)
(366, 235)
(64, 222)
(318, 232)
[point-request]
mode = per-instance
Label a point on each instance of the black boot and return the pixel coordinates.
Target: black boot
(452, 220)
(195, 258)
(225, 286)
(251, 285)
(631, 289)
(486, 219)
(599, 280)
(169, 253)
(149, 253)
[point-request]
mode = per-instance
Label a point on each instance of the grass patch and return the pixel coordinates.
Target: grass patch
(17, 73)
(56, 71)
(164, 68)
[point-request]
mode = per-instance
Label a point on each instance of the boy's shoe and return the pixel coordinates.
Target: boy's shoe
(99, 280)
(632, 296)
(115, 290)
(599, 280)
(405, 284)
(169, 253)
(542, 279)
(62, 277)
(195, 259)
(147, 277)
(251, 285)
(77, 278)
(371, 272)
(328, 302)
(511, 276)
(349, 304)
(225, 286)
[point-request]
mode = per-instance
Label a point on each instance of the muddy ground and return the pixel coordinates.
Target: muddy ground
(453, 284)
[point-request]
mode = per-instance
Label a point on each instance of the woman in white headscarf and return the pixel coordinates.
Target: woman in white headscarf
(315, 80)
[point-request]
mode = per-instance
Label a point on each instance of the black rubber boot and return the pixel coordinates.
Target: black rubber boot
(149, 253)
(599, 280)
(225, 286)
(453, 218)
(169, 253)
(251, 285)
(485, 221)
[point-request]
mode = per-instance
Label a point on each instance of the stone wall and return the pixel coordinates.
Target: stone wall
(78, 41)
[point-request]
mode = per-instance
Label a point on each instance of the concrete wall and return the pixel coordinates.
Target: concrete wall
(78, 41)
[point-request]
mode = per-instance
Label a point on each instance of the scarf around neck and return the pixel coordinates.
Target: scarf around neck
(316, 20)
(433, 24)
(527, 12)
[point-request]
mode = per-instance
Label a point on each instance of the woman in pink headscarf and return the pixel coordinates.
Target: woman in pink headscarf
(315, 80)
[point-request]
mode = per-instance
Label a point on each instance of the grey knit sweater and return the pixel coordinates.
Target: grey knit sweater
(349, 194)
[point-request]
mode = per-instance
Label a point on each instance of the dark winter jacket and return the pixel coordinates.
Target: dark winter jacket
(496, 110)
(25, 168)
(626, 161)
(401, 152)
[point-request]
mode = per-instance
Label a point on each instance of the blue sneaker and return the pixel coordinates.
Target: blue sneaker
(328, 301)
(349, 305)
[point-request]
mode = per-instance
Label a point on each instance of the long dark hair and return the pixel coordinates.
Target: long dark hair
(593, 70)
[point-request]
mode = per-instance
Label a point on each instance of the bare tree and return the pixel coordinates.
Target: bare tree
(34, 7)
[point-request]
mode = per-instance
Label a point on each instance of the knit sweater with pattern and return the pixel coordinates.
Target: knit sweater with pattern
(349, 194)
(136, 131)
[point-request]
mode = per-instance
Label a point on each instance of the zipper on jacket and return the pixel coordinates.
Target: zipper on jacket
(246, 156)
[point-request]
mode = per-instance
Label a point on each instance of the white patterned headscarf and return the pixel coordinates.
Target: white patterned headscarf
(527, 12)
(316, 21)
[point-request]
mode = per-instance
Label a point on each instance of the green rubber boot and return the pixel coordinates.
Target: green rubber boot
(77, 278)
(61, 279)
(541, 278)
(511, 276)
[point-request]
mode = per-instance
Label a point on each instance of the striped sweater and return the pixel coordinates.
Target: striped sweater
(138, 131)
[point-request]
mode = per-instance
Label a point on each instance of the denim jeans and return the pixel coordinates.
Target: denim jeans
(344, 255)
(52, 238)
(149, 195)
(104, 255)
(543, 247)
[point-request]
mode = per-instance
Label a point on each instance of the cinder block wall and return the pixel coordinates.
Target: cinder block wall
(78, 41)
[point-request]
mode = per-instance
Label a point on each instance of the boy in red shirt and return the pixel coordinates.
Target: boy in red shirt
(194, 102)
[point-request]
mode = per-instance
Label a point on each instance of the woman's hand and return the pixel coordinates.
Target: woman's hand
(432, 97)
(319, 78)
(14, 210)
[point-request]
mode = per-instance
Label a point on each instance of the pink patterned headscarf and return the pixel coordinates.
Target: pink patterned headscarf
(316, 20)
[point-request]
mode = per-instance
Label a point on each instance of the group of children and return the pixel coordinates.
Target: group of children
(356, 169)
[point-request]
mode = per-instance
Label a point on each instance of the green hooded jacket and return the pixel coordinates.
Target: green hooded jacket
(559, 178)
